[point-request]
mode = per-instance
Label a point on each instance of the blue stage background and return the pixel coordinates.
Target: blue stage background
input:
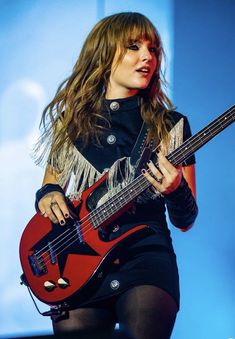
(40, 42)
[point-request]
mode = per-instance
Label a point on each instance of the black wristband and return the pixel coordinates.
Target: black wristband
(179, 192)
(45, 190)
(181, 205)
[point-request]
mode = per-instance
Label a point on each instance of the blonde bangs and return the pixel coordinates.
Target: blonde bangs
(140, 30)
(133, 27)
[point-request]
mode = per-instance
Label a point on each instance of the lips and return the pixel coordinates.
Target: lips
(144, 70)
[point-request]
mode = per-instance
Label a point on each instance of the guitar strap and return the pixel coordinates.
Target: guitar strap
(142, 150)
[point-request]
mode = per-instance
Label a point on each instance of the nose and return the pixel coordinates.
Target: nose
(146, 55)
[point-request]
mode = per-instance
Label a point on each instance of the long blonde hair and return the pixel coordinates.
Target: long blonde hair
(76, 109)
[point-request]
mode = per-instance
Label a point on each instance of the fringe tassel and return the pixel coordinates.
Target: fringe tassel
(176, 136)
(117, 180)
(76, 173)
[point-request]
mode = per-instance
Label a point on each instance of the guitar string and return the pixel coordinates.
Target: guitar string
(74, 234)
(226, 116)
(82, 226)
(92, 214)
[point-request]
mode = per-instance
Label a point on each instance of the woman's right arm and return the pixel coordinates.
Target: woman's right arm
(50, 199)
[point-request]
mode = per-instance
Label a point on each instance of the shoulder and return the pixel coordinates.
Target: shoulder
(175, 116)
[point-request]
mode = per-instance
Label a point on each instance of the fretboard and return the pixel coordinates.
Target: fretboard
(140, 184)
(198, 140)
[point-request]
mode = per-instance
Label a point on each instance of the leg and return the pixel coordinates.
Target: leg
(146, 311)
(89, 323)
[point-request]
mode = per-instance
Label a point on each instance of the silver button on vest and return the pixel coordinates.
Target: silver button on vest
(111, 139)
(114, 106)
(115, 284)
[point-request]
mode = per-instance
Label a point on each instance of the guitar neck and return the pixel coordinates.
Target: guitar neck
(192, 144)
(140, 184)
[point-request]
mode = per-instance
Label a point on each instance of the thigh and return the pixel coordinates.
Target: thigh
(93, 321)
(146, 311)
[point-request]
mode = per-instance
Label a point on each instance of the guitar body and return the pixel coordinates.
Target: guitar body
(60, 262)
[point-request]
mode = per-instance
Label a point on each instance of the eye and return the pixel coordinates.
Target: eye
(153, 49)
(133, 47)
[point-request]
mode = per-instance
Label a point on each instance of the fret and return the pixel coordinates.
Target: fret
(140, 184)
(120, 200)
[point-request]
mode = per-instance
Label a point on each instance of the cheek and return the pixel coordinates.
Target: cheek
(123, 68)
(118, 72)
(130, 60)
(155, 62)
(154, 67)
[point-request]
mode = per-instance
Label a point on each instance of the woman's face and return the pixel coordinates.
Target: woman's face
(134, 71)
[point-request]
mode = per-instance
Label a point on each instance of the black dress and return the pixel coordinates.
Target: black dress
(150, 260)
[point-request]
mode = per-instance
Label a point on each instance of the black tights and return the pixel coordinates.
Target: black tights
(143, 312)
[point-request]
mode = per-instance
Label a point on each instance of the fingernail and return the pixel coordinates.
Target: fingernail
(143, 171)
(149, 162)
(62, 222)
(66, 215)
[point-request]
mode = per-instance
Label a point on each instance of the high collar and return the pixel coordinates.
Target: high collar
(121, 105)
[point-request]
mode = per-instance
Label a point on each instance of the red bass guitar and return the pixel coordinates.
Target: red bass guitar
(61, 262)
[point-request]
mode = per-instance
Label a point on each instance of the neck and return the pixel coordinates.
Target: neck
(112, 94)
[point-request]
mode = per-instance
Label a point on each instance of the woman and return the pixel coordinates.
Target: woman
(93, 125)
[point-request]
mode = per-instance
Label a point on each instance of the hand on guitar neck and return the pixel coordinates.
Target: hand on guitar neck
(165, 178)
